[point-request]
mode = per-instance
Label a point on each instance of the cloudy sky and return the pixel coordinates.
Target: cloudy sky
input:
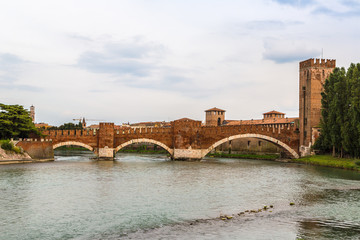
(154, 60)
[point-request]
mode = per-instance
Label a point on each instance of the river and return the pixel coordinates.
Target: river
(151, 197)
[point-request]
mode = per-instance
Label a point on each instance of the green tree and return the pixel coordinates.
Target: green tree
(68, 126)
(353, 143)
(340, 122)
(15, 121)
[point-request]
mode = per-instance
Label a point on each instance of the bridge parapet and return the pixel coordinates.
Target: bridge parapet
(186, 138)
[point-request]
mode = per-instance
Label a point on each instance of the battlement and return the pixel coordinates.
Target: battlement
(323, 63)
(107, 124)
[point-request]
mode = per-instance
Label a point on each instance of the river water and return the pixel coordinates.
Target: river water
(150, 197)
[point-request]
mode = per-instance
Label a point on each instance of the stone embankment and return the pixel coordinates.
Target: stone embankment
(7, 157)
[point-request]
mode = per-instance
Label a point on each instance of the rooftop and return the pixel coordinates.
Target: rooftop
(273, 111)
(215, 109)
(260, 121)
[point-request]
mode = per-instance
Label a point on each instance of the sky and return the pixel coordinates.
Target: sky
(161, 60)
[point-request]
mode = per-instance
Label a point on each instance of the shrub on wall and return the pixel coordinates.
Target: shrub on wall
(9, 146)
(6, 145)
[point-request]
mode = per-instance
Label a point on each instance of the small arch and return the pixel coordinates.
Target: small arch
(72, 143)
(144, 140)
(251, 135)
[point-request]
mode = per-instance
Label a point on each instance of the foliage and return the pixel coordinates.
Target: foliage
(6, 145)
(9, 146)
(72, 148)
(68, 126)
(329, 161)
(340, 123)
(15, 122)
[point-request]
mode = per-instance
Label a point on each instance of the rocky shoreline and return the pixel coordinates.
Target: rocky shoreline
(9, 157)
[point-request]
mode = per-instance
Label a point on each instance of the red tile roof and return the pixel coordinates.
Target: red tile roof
(260, 121)
(215, 109)
(273, 111)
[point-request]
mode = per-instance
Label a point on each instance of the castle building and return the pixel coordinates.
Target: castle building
(312, 75)
(214, 117)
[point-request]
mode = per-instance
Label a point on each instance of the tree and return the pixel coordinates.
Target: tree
(15, 121)
(68, 126)
(340, 122)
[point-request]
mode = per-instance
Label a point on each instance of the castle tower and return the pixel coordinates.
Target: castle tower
(32, 113)
(214, 117)
(312, 75)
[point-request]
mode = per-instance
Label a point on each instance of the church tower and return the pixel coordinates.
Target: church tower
(32, 113)
(312, 75)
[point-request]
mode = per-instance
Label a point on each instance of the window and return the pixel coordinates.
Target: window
(259, 143)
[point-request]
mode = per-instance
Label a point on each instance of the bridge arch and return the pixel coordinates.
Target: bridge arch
(250, 135)
(144, 140)
(73, 143)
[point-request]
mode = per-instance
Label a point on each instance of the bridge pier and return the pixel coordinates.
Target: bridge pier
(187, 154)
(106, 153)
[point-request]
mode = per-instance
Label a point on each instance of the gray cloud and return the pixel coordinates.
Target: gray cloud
(11, 67)
(270, 25)
(284, 52)
(136, 64)
(134, 58)
(10, 61)
(353, 11)
(80, 37)
(21, 87)
(295, 2)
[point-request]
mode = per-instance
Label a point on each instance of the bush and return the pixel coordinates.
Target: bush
(16, 150)
(357, 163)
(7, 145)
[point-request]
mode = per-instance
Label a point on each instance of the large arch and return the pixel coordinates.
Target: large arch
(251, 135)
(72, 143)
(144, 140)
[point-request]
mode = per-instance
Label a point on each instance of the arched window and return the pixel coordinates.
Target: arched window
(219, 122)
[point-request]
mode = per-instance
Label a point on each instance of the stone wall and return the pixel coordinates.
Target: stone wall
(37, 149)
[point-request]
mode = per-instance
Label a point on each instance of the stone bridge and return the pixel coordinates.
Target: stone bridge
(184, 139)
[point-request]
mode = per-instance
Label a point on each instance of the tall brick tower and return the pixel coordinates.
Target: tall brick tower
(312, 75)
(214, 117)
(32, 113)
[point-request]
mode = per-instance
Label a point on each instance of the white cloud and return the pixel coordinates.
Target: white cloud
(139, 60)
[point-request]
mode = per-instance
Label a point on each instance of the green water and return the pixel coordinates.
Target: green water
(150, 197)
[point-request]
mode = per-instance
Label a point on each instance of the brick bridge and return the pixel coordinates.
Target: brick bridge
(184, 139)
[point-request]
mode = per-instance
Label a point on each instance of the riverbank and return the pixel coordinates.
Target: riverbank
(244, 156)
(11, 157)
(7, 157)
(329, 161)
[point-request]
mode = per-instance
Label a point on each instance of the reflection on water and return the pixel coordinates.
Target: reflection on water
(149, 197)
